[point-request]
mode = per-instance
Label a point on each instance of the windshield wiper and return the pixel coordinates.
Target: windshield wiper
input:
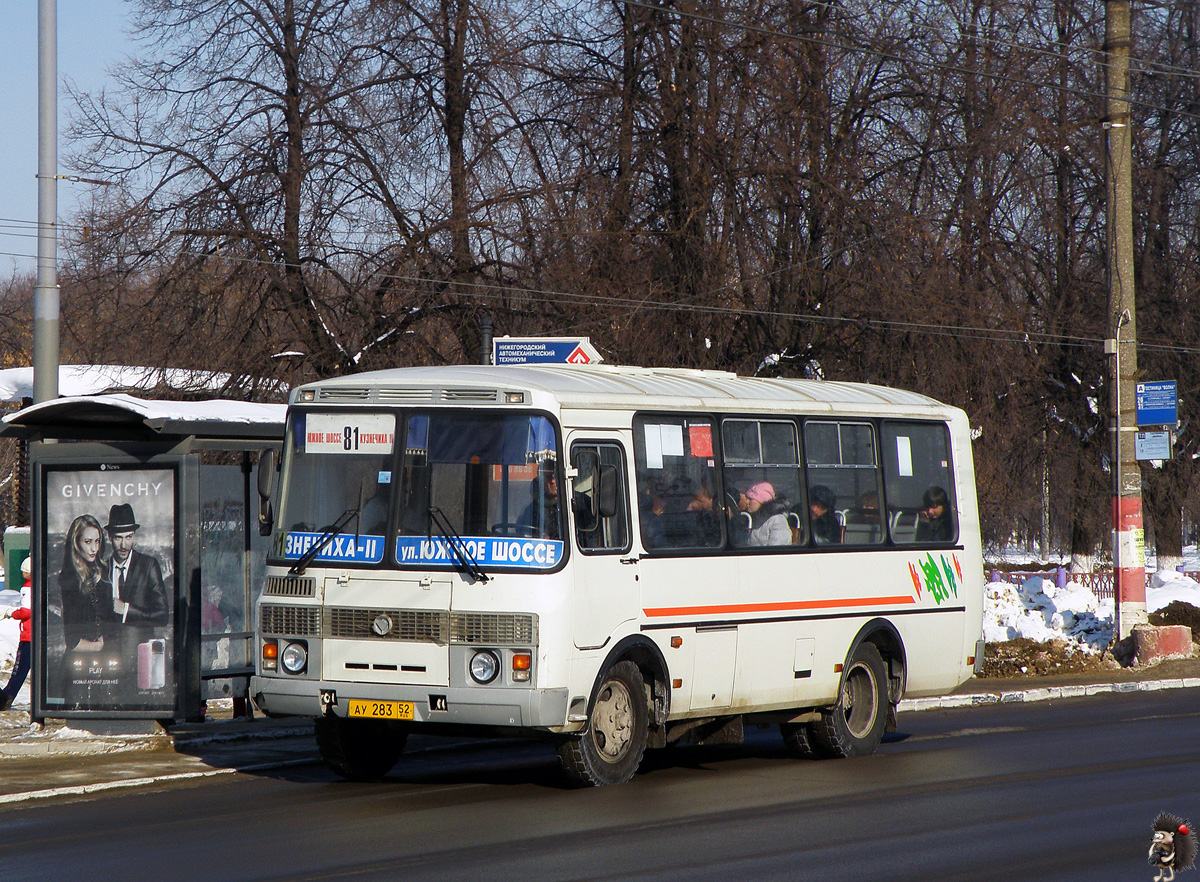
(324, 539)
(457, 545)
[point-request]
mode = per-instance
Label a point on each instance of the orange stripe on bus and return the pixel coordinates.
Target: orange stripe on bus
(775, 607)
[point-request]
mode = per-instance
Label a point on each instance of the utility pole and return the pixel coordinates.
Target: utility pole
(45, 300)
(1129, 554)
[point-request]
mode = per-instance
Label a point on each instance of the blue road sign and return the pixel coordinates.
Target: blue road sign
(544, 350)
(1156, 403)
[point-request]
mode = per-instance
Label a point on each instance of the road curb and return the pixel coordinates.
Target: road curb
(1044, 693)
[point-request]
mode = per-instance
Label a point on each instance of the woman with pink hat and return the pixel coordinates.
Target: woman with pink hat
(768, 523)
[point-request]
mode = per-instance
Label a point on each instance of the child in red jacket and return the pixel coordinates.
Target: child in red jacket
(22, 614)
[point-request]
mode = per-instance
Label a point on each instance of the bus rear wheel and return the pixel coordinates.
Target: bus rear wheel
(798, 740)
(610, 749)
(854, 726)
(361, 750)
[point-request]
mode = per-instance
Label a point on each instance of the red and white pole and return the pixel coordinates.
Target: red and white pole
(1129, 564)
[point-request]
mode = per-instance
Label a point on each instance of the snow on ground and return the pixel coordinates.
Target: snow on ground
(1041, 611)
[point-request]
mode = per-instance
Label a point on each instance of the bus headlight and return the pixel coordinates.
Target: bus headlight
(294, 658)
(484, 666)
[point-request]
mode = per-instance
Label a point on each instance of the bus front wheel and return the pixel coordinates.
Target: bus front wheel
(610, 749)
(361, 750)
(854, 726)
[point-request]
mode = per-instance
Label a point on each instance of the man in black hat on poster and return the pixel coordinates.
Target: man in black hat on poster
(139, 596)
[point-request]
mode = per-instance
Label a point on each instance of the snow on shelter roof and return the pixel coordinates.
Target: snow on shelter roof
(605, 386)
(94, 379)
(109, 416)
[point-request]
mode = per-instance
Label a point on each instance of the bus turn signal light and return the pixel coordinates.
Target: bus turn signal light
(270, 655)
(522, 662)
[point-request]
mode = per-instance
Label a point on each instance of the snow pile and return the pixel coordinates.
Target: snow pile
(1168, 586)
(1041, 611)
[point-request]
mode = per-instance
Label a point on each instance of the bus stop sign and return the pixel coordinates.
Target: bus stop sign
(1156, 403)
(544, 350)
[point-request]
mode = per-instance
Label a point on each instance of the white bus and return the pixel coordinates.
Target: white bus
(615, 558)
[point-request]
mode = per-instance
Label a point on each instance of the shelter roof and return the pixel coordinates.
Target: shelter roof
(124, 417)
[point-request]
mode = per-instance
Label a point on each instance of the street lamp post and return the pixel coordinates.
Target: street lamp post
(45, 305)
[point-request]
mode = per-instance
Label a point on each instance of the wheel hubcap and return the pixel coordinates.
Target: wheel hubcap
(612, 721)
(859, 692)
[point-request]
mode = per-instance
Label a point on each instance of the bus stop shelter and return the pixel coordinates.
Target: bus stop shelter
(153, 631)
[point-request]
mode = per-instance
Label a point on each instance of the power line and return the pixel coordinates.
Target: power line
(482, 290)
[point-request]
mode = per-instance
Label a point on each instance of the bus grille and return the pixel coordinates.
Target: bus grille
(394, 394)
(343, 393)
(479, 395)
(493, 628)
(290, 586)
(415, 625)
(301, 621)
(412, 625)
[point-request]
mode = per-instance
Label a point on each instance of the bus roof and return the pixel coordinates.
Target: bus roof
(607, 386)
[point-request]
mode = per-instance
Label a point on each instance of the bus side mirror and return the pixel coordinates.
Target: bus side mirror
(606, 497)
(266, 486)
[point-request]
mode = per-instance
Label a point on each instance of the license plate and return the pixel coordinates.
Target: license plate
(380, 710)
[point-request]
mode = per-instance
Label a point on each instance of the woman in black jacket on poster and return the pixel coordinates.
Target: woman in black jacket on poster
(87, 597)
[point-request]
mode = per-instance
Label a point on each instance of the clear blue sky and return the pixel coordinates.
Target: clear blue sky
(92, 36)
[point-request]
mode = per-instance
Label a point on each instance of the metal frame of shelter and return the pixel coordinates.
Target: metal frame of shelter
(217, 551)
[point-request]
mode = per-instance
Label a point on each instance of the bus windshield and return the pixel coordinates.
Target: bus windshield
(490, 476)
(336, 463)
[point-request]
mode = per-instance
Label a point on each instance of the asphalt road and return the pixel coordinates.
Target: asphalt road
(1062, 790)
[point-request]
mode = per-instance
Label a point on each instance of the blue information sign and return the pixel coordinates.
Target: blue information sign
(488, 552)
(544, 350)
(342, 548)
(1156, 403)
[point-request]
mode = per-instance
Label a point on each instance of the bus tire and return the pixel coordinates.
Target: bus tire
(798, 740)
(610, 749)
(361, 750)
(854, 726)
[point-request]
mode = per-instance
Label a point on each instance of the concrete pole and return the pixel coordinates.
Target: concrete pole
(1129, 556)
(486, 331)
(45, 300)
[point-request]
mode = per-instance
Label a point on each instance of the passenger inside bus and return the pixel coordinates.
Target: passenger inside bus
(935, 523)
(863, 523)
(825, 527)
(763, 518)
(542, 515)
(703, 507)
(650, 509)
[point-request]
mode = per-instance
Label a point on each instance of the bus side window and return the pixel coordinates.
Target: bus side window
(677, 490)
(598, 498)
(919, 483)
(843, 483)
(762, 480)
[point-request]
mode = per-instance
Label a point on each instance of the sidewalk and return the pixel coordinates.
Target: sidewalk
(62, 758)
(1176, 673)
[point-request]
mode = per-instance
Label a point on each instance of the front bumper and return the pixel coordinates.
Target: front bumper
(468, 706)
